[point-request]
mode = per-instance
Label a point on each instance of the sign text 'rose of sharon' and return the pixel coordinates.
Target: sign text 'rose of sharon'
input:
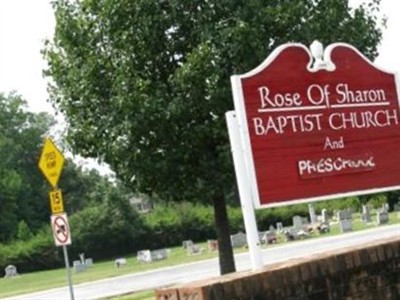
(318, 125)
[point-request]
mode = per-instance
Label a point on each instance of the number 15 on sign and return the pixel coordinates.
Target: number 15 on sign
(56, 201)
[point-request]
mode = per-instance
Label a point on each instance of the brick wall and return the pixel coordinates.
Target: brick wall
(367, 272)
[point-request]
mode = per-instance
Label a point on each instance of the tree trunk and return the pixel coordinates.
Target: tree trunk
(225, 251)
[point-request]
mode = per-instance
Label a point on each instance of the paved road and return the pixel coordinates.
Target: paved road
(209, 268)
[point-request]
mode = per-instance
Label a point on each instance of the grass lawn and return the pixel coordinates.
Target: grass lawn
(43, 280)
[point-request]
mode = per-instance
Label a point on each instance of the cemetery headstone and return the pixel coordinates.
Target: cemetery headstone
(78, 266)
(144, 256)
(194, 249)
(279, 226)
(313, 215)
(238, 240)
(365, 215)
(82, 257)
(325, 216)
(10, 271)
(159, 254)
(297, 222)
(89, 262)
(382, 217)
(120, 262)
(186, 244)
(212, 245)
(345, 220)
(271, 228)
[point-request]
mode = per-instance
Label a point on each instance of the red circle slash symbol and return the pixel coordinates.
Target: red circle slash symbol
(61, 230)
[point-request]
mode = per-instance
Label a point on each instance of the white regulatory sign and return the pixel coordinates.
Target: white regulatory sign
(61, 232)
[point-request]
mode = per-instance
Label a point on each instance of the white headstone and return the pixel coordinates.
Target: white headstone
(144, 256)
(297, 222)
(325, 216)
(311, 211)
(382, 217)
(238, 240)
(365, 215)
(10, 271)
(346, 225)
(279, 226)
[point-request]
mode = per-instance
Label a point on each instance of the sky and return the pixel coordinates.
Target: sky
(25, 24)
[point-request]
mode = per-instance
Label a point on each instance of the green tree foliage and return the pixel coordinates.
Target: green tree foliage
(170, 224)
(36, 253)
(145, 84)
(82, 188)
(23, 189)
(110, 229)
(393, 198)
(21, 184)
(24, 233)
(377, 200)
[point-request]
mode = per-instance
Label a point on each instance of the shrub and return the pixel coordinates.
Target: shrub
(37, 253)
(110, 229)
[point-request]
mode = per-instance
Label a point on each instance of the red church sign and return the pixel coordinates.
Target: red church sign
(318, 125)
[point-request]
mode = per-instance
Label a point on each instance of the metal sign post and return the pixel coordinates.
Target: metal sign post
(51, 163)
(69, 278)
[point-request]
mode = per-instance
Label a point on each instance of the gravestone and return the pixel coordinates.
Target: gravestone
(313, 215)
(382, 217)
(194, 249)
(144, 256)
(271, 228)
(78, 266)
(159, 254)
(345, 220)
(10, 271)
(297, 222)
(186, 244)
(238, 240)
(346, 226)
(212, 245)
(82, 257)
(89, 262)
(120, 262)
(279, 226)
(325, 216)
(365, 215)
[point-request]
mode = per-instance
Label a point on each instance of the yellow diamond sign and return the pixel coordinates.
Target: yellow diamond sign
(51, 162)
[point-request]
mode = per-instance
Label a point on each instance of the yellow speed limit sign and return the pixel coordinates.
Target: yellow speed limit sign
(56, 201)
